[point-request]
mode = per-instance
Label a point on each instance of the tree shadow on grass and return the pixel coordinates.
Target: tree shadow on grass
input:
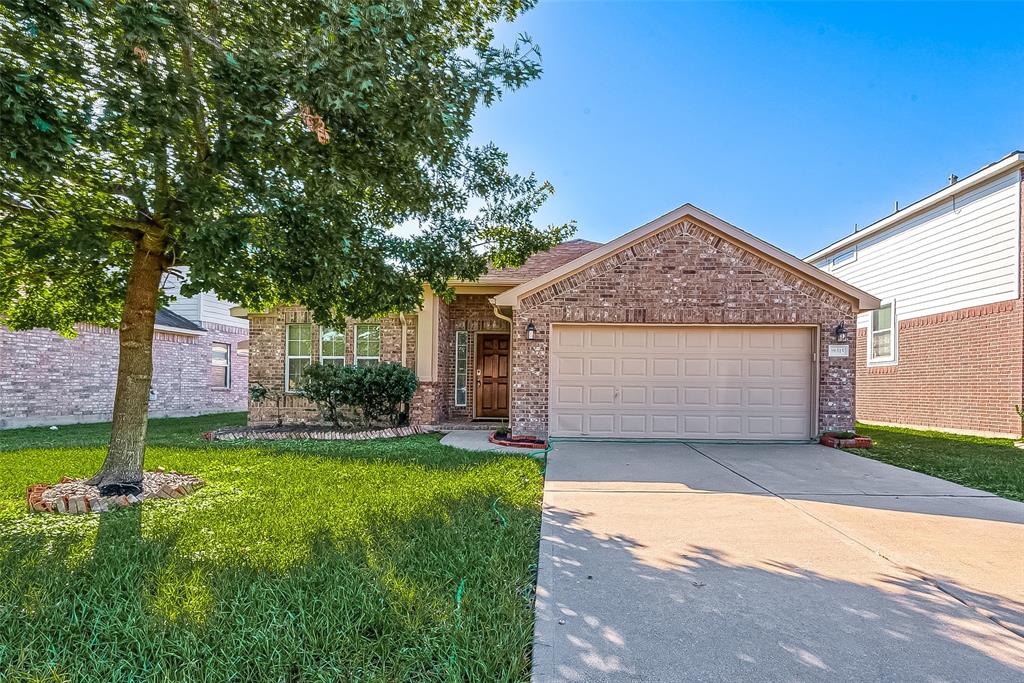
(611, 608)
(438, 595)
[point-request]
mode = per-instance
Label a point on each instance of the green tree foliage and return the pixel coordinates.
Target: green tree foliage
(270, 146)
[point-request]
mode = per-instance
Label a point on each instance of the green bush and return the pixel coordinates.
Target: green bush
(387, 392)
(366, 394)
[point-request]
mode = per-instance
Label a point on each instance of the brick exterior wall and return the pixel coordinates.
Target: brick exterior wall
(473, 313)
(958, 371)
(685, 274)
(48, 379)
(433, 403)
(267, 356)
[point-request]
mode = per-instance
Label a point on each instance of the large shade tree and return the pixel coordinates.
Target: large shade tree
(270, 146)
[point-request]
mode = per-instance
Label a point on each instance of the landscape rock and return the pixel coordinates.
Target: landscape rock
(75, 496)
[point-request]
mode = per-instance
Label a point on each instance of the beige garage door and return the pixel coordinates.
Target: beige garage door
(681, 382)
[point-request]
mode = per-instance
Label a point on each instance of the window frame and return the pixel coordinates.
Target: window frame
(226, 386)
(355, 344)
(344, 346)
(893, 356)
(464, 347)
(288, 358)
(843, 258)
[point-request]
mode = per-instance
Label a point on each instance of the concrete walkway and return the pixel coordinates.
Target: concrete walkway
(669, 562)
(476, 440)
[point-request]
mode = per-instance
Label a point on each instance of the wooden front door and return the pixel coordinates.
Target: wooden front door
(492, 366)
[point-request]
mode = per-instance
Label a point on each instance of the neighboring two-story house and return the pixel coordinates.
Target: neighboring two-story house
(946, 348)
(200, 365)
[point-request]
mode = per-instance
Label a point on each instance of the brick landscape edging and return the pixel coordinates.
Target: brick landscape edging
(311, 434)
(75, 497)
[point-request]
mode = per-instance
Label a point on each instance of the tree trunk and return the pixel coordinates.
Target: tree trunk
(122, 469)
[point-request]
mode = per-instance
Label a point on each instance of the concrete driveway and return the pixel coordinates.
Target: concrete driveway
(675, 562)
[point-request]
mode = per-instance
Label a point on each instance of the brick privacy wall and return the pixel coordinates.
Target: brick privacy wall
(267, 355)
(686, 274)
(49, 379)
(959, 371)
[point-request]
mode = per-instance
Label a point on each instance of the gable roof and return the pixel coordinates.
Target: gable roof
(1011, 160)
(539, 264)
(169, 321)
(862, 300)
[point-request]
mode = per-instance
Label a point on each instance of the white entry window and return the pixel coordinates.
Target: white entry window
(461, 367)
(882, 334)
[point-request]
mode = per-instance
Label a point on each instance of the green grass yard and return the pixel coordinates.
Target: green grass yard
(394, 560)
(992, 465)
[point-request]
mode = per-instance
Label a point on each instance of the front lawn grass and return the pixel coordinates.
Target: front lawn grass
(992, 465)
(390, 560)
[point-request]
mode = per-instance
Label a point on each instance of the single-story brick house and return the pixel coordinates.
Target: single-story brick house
(686, 327)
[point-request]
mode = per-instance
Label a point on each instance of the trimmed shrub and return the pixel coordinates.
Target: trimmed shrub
(365, 394)
(387, 393)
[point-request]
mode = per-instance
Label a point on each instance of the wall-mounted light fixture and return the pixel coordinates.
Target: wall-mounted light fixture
(842, 336)
(531, 330)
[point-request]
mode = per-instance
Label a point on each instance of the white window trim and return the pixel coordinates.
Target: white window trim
(893, 356)
(227, 385)
(344, 352)
(355, 343)
(465, 400)
(288, 357)
(842, 259)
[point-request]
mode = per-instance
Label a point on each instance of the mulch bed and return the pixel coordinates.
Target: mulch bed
(834, 440)
(75, 497)
(311, 432)
(517, 441)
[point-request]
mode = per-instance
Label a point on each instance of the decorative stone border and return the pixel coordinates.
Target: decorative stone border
(518, 441)
(75, 497)
(832, 440)
(306, 433)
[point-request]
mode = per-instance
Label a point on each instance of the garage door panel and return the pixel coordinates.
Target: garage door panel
(631, 396)
(633, 424)
(682, 382)
(600, 423)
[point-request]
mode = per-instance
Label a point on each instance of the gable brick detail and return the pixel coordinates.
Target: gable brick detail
(684, 274)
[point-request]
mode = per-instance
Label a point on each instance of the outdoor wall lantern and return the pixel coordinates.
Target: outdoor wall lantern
(531, 330)
(841, 334)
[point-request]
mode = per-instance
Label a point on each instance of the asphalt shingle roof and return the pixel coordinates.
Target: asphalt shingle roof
(169, 318)
(542, 262)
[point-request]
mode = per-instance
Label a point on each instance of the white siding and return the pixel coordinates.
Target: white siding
(201, 308)
(215, 310)
(946, 258)
(186, 307)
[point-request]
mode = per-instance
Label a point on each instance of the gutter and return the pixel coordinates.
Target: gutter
(1005, 164)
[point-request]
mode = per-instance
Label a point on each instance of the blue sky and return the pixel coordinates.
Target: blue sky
(793, 121)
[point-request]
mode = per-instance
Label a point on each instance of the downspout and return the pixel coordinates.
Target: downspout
(405, 343)
(498, 314)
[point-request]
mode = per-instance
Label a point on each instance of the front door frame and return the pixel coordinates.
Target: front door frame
(478, 374)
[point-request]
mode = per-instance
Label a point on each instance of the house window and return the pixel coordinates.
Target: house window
(298, 354)
(848, 256)
(367, 344)
(461, 366)
(882, 334)
(332, 347)
(220, 372)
